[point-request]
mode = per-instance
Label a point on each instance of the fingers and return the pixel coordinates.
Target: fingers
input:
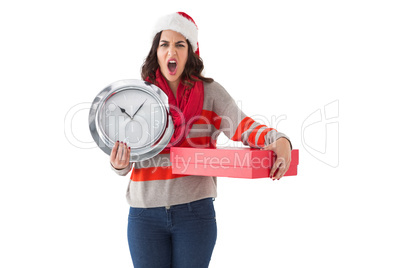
(120, 151)
(114, 151)
(279, 168)
(282, 149)
(120, 155)
(126, 155)
(275, 169)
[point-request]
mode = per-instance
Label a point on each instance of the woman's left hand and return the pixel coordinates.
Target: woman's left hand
(282, 149)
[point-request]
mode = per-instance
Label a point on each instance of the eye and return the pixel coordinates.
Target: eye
(164, 45)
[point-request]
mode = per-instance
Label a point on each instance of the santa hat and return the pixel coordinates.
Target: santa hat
(182, 23)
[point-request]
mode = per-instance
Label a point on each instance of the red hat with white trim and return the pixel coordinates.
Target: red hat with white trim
(182, 23)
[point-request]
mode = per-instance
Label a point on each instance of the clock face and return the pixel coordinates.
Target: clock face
(135, 112)
(133, 116)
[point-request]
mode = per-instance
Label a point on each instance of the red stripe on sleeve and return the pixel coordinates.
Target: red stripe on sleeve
(244, 125)
(251, 137)
(261, 139)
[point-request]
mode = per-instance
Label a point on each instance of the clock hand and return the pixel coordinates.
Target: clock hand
(124, 111)
(138, 109)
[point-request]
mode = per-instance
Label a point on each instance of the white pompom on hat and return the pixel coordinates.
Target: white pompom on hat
(182, 23)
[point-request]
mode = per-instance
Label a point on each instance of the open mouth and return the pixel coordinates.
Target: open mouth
(172, 67)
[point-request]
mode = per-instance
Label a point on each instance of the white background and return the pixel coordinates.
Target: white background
(62, 206)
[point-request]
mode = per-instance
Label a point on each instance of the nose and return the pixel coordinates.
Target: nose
(172, 51)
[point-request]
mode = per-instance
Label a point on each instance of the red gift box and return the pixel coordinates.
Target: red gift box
(227, 162)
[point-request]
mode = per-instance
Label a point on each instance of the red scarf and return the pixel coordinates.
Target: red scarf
(183, 108)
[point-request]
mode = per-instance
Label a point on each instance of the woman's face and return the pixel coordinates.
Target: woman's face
(172, 55)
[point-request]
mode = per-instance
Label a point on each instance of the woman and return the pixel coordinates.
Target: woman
(172, 218)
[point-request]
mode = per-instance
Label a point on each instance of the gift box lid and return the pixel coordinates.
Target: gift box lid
(227, 161)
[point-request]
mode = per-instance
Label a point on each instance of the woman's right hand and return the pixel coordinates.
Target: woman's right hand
(120, 155)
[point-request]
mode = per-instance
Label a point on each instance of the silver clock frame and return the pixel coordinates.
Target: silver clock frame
(137, 154)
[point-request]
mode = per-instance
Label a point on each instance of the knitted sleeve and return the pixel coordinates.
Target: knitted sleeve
(124, 171)
(239, 127)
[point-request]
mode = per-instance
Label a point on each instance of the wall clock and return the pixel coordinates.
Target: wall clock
(135, 112)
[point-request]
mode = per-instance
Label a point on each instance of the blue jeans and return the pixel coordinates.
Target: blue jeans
(182, 236)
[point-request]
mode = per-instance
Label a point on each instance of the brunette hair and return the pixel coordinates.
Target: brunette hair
(192, 70)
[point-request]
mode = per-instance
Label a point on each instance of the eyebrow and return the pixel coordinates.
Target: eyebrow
(178, 42)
